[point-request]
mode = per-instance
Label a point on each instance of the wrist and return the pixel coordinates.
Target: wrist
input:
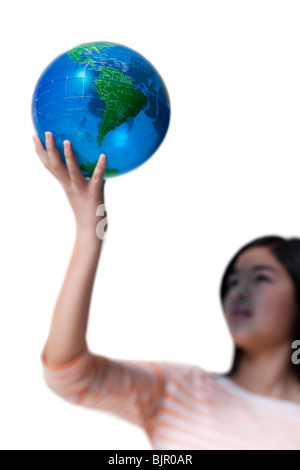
(88, 237)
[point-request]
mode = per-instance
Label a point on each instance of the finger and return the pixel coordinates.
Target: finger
(99, 170)
(55, 161)
(72, 164)
(41, 151)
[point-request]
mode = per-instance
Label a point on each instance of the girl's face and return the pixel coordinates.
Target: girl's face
(262, 285)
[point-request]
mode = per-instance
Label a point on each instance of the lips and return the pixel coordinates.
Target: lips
(240, 313)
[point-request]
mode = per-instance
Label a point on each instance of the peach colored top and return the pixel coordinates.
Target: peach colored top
(179, 406)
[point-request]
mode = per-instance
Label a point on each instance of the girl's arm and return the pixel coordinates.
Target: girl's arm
(67, 336)
(133, 390)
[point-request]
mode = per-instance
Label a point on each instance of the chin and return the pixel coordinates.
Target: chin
(244, 340)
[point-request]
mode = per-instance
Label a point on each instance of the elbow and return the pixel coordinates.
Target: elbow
(70, 381)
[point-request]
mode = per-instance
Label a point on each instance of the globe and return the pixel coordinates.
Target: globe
(104, 98)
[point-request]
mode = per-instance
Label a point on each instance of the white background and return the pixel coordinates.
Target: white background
(227, 172)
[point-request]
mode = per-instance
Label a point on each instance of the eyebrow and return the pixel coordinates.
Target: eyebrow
(258, 267)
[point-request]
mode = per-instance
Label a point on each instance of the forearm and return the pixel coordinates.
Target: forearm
(67, 337)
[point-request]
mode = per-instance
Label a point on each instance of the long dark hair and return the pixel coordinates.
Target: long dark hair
(287, 252)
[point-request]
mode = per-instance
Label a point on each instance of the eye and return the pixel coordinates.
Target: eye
(258, 278)
(264, 278)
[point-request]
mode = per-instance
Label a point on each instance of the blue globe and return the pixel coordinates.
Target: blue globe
(104, 98)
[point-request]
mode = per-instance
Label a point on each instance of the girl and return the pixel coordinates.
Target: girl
(255, 406)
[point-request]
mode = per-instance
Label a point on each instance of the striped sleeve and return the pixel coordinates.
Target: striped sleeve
(131, 389)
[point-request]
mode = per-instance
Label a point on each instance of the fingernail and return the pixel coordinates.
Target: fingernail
(48, 135)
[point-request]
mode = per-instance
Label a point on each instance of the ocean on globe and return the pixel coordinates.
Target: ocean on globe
(104, 98)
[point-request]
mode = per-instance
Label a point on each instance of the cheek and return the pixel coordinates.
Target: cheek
(275, 309)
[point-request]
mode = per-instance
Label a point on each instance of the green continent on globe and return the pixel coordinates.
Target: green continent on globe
(90, 47)
(122, 99)
(88, 169)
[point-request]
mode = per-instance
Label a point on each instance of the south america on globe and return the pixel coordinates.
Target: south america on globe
(104, 98)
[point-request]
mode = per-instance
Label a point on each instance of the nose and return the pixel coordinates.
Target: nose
(239, 296)
(240, 293)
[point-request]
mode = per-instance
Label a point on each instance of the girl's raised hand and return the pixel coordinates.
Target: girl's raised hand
(85, 195)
